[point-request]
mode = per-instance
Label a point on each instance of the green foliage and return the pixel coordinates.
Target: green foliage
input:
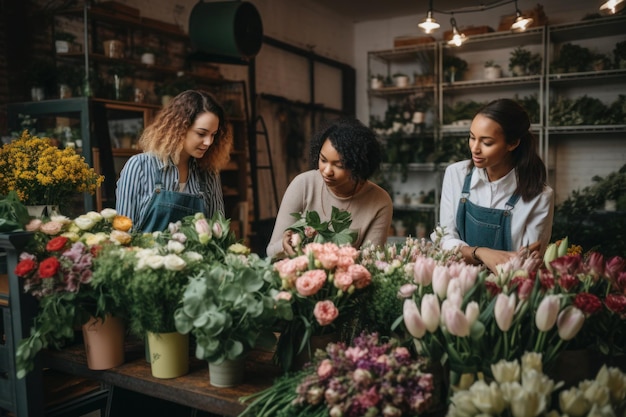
(581, 218)
(587, 110)
(229, 307)
(311, 228)
(13, 214)
(573, 58)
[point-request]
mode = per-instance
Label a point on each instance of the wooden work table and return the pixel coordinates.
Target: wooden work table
(193, 390)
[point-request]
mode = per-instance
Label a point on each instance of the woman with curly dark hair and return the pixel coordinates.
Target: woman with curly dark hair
(344, 155)
(178, 172)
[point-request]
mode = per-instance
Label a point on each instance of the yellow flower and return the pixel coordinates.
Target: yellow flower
(42, 174)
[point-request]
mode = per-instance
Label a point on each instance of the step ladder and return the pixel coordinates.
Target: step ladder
(261, 131)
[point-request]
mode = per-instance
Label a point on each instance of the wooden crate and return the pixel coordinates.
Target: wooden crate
(538, 15)
(468, 31)
(406, 41)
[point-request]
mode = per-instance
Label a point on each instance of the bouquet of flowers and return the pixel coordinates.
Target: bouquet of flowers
(43, 174)
(309, 228)
(323, 285)
(520, 388)
(369, 378)
(57, 268)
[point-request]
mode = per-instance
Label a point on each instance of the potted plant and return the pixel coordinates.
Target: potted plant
(518, 61)
(376, 81)
(492, 70)
(63, 42)
(619, 53)
(173, 87)
(573, 58)
(69, 79)
(57, 268)
(400, 79)
(231, 308)
(42, 174)
(147, 54)
(453, 68)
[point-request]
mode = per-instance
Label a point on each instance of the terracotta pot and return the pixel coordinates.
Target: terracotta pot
(104, 342)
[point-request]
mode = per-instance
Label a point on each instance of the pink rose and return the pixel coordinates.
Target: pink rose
(325, 312)
(286, 269)
(329, 260)
(51, 228)
(33, 225)
(310, 282)
(325, 369)
(283, 295)
(309, 232)
(360, 276)
(301, 263)
(343, 280)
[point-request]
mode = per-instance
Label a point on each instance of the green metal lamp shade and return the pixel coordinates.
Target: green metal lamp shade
(227, 29)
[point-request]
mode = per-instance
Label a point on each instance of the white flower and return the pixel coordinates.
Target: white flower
(84, 222)
(91, 239)
(108, 213)
(595, 392)
(193, 256)
(94, 215)
(175, 246)
(573, 402)
(506, 371)
(120, 238)
(173, 262)
(60, 218)
(179, 237)
(532, 360)
(463, 404)
(239, 248)
(615, 379)
(528, 404)
(487, 398)
(72, 236)
(152, 261)
(537, 381)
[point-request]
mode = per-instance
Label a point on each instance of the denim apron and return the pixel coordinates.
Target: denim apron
(166, 207)
(483, 226)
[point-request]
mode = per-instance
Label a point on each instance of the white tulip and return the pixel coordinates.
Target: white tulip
(173, 262)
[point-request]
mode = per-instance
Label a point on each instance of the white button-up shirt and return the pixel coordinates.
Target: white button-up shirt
(531, 221)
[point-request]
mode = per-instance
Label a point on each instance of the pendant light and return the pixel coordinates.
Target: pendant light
(521, 23)
(612, 6)
(429, 24)
(457, 37)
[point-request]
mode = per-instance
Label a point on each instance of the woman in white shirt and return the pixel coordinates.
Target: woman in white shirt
(497, 202)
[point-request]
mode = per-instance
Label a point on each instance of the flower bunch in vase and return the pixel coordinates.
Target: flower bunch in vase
(230, 307)
(323, 285)
(57, 268)
(368, 378)
(43, 174)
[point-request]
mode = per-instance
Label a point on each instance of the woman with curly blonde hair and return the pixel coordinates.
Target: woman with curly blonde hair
(177, 174)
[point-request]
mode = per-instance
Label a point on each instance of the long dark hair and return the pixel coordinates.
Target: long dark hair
(515, 123)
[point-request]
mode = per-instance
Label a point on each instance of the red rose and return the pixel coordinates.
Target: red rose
(588, 303)
(57, 244)
(492, 288)
(616, 303)
(49, 267)
(25, 267)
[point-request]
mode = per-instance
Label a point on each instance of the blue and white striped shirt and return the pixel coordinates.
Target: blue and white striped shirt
(139, 175)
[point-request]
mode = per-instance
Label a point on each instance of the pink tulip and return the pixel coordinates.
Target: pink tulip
(504, 311)
(456, 322)
(423, 270)
(441, 278)
(406, 290)
(412, 319)
(471, 312)
(431, 313)
(569, 322)
(547, 313)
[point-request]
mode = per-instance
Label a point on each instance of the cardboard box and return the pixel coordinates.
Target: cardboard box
(405, 41)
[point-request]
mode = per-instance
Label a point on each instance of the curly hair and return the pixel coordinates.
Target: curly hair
(356, 143)
(165, 136)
